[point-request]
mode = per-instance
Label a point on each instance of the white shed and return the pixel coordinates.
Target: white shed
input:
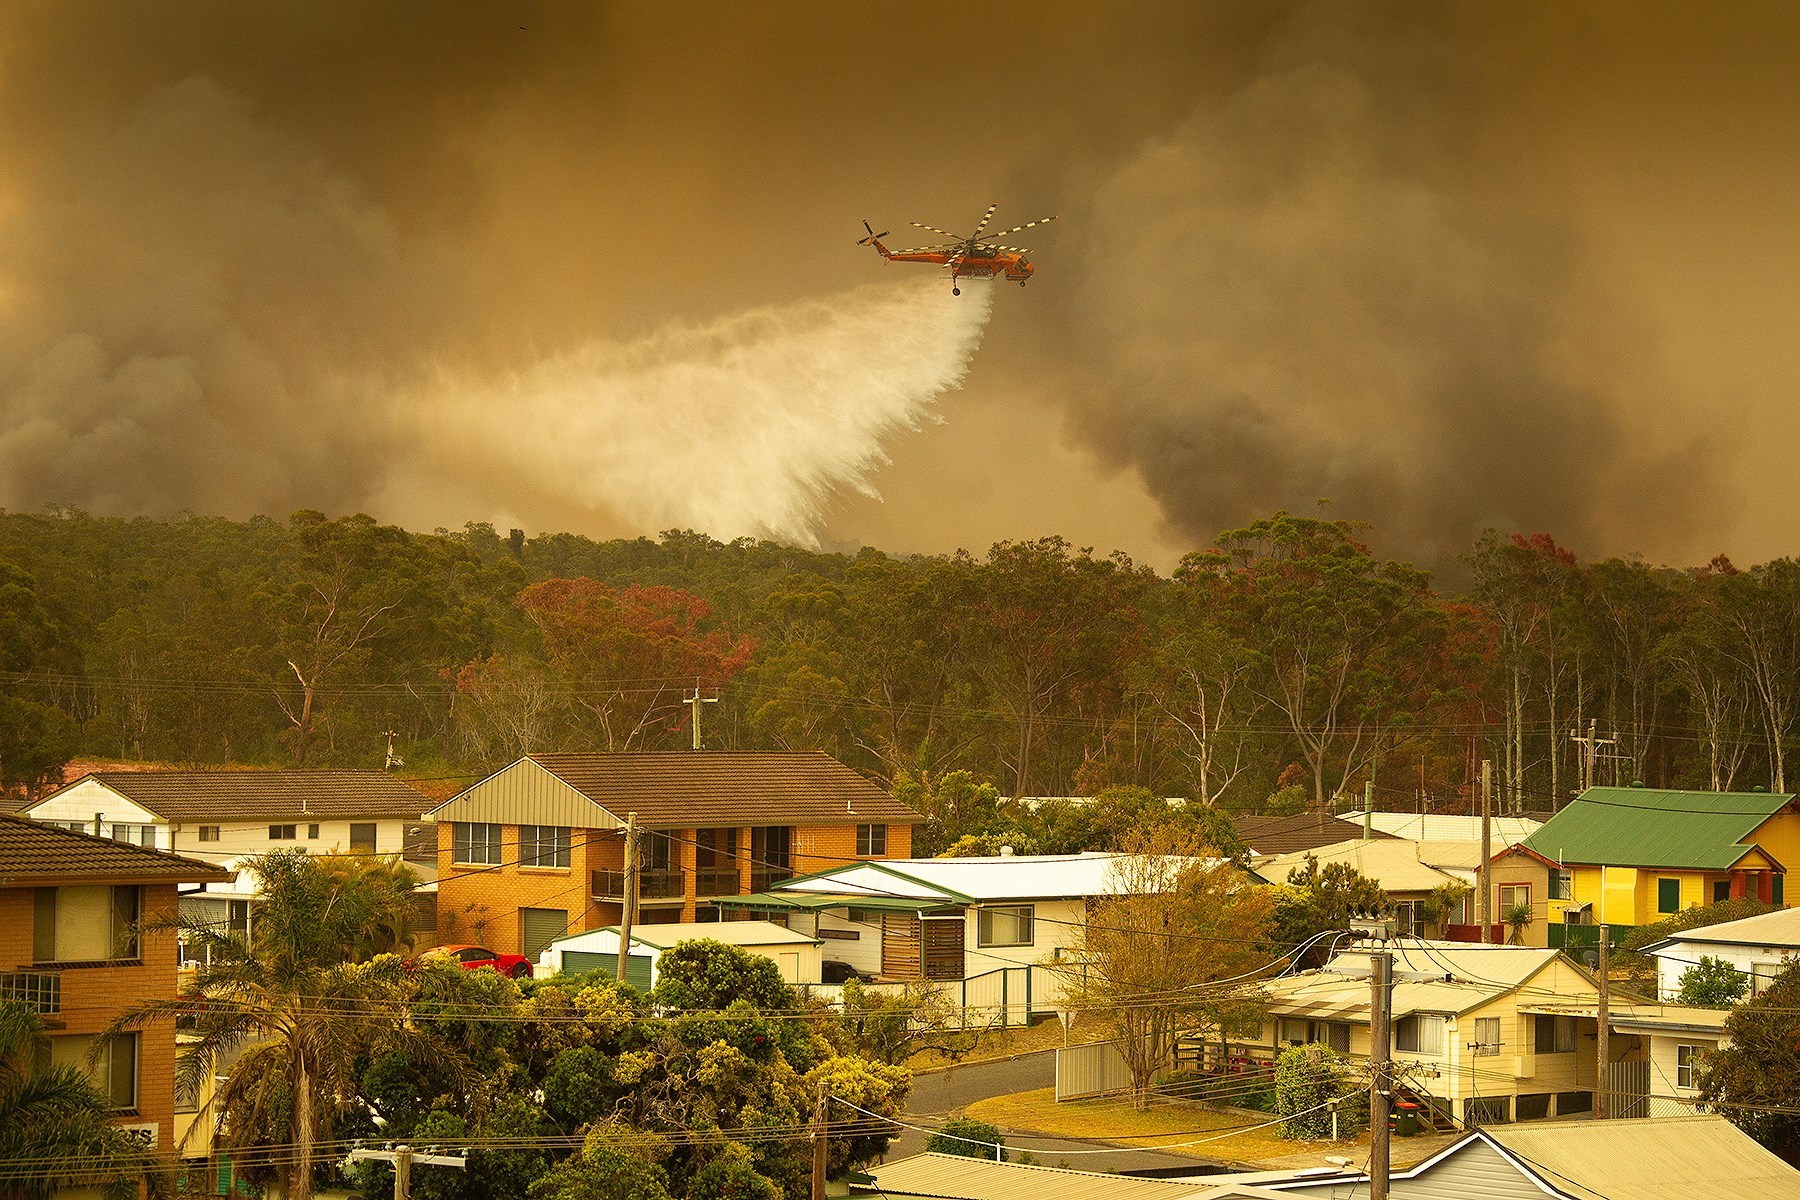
(796, 954)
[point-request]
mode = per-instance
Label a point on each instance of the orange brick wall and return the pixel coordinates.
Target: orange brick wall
(93, 996)
(481, 905)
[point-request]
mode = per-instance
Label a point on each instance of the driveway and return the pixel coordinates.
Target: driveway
(938, 1094)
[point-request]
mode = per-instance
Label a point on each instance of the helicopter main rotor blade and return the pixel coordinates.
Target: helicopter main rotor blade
(1025, 226)
(936, 230)
(982, 224)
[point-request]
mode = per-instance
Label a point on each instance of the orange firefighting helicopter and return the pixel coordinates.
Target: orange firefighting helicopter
(978, 254)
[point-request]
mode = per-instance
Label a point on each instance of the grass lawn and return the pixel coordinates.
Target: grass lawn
(1162, 1124)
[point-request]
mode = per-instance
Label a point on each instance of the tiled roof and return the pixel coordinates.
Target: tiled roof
(678, 788)
(1656, 827)
(33, 853)
(264, 795)
(1298, 831)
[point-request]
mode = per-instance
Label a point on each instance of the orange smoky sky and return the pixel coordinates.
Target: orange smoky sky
(1447, 266)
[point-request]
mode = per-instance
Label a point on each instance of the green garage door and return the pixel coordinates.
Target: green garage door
(538, 927)
(637, 968)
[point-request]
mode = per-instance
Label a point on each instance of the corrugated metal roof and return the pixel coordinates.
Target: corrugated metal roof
(260, 795)
(1701, 1157)
(687, 789)
(1393, 864)
(1656, 827)
(1298, 831)
(1780, 928)
(956, 1178)
(1673, 1018)
(662, 936)
(1466, 978)
(1448, 827)
(957, 880)
(33, 853)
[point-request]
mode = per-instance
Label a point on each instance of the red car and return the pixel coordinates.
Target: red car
(473, 958)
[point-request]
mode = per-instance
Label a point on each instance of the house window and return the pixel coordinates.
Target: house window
(1562, 884)
(1762, 974)
(1511, 896)
(1776, 889)
(1687, 1063)
(362, 837)
(209, 833)
(1487, 1036)
(1406, 917)
(1005, 926)
(475, 842)
(871, 841)
(1335, 1034)
(283, 833)
(137, 835)
(1668, 895)
(1295, 1033)
(1721, 891)
(1553, 1035)
(1418, 1033)
(85, 924)
(312, 833)
(771, 854)
(544, 845)
(112, 1069)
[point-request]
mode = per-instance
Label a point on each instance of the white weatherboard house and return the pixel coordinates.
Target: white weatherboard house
(988, 925)
(795, 954)
(1762, 947)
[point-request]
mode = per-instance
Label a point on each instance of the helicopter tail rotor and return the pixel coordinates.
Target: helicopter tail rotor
(873, 236)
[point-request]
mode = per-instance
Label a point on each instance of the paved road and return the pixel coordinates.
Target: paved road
(938, 1093)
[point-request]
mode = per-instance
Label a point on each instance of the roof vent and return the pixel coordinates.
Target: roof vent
(1006, 852)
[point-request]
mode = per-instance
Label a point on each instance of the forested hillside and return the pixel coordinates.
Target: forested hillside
(1275, 668)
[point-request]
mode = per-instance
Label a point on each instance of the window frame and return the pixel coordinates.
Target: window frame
(1562, 883)
(546, 847)
(292, 833)
(1500, 889)
(871, 841)
(1483, 1047)
(374, 840)
(1689, 1068)
(312, 831)
(207, 833)
(1662, 885)
(1558, 1026)
(1025, 915)
(463, 845)
(1418, 1024)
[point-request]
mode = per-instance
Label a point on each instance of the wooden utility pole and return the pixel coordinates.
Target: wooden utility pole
(628, 910)
(820, 1146)
(1484, 900)
(1381, 1042)
(402, 1159)
(696, 700)
(1369, 809)
(1603, 1028)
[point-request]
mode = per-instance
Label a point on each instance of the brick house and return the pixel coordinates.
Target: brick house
(69, 904)
(537, 849)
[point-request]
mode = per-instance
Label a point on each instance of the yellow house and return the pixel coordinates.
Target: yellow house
(1472, 1044)
(1632, 856)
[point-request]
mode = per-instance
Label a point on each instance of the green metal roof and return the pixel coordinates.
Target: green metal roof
(1656, 827)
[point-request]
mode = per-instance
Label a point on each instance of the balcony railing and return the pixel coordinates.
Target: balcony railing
(764, 878)
(40, 991)
(716, 881)
(652, 885)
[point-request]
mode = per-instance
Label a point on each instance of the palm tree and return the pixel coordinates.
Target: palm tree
(286, 1015)
(55, 1130)
(1518, 920)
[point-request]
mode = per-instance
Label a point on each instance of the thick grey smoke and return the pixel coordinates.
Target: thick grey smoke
(592, 267)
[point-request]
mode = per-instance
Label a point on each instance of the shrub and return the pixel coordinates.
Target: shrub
(1305, 1078)
(967, 1137)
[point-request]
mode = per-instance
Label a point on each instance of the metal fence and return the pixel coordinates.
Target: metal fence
(1097, 1069)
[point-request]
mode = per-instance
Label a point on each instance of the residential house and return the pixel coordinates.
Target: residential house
(1658, 1158)
(1762, 947)
(991, 926)
(1521, 878)
(70, 947)
(1467, 1047)
(1273, 836)
(537, 849)
(227, 816)
(1658, 1051)
(1636, 855)
(1414, 886)
(794, 954)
